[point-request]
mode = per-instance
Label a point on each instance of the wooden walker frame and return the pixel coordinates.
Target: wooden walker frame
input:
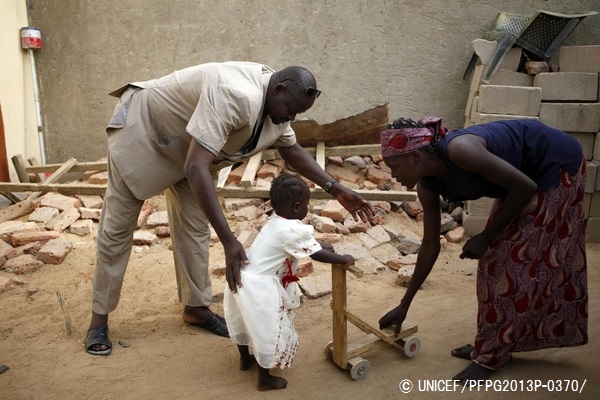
(347, 355)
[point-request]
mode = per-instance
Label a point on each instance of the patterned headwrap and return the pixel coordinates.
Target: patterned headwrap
(411, 136)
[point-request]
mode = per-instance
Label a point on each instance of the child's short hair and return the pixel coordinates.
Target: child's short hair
(286, 189)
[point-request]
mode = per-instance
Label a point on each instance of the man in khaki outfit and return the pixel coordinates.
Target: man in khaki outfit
(174, 134)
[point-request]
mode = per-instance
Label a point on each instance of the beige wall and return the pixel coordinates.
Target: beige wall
(409, 53)
(16, 89)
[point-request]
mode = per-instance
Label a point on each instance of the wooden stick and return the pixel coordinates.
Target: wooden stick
(250, 172)
(61, 301)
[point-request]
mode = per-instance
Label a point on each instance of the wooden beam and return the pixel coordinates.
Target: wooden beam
(19, 164)
(223, 175)
(384, 195)
(79, 167)
(66, 189)
(34, 162)
(16, 210)
(55, 176)
(11, 197)
(320, 154)
(250, 172)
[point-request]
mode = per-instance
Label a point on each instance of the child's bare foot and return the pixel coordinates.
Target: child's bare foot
(247, 362)
(271, 383)
(266, 381)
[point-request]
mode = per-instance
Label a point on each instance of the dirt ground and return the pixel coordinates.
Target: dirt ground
(167, 359)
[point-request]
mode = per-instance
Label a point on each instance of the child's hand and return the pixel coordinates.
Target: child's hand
(327, 246)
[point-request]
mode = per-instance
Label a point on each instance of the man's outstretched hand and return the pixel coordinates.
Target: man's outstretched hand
(353, 202)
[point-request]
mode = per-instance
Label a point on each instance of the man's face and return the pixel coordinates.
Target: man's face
(283, 105)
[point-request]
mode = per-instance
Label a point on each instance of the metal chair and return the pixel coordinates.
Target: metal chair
(539, 35)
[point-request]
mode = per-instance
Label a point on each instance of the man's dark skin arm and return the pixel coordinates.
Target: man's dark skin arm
(301, 160)
(197, 172)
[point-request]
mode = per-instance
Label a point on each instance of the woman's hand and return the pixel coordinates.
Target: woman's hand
(475, 247)
(394, 317)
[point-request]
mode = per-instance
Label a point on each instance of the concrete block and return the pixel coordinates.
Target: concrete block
(587, 204)
(476, 78)
(596, 178)
(480, 207)
(594, 206)
(579, 59)
(480, 118)
(571, 117)
(473, 224)
(467, 124)
(567, 86)
(596, 152)
(592, 233)
(592, 172)
(469, 105)
(473, 110)
(586, 140)
(504, 77)
(513, 100)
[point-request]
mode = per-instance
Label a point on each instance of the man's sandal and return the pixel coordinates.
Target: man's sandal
(96, 337)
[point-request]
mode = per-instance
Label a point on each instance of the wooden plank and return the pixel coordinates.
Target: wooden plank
(80, 167)
(55, 176)
(375, 195)
(320, 154)
(357, 129)
(363, 344)
(34, 162)
(16, 210)
(19, 164)
(340, 324)
(251, 169)
(223, 175)
(11, 197)
(66, 189)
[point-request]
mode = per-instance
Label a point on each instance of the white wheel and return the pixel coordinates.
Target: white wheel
(412, 345)
(360, 368)
(328, 351)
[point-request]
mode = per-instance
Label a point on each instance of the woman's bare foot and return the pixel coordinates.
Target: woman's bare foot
(463, 352)
(246, 359)
(473, 373)
(266, 381)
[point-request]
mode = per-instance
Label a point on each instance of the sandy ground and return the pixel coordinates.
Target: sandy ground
(167, 359)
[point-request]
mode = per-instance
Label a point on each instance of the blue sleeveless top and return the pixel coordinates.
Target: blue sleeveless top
(537, 150)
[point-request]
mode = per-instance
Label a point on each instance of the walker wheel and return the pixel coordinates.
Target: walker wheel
(360, 368)
(328, 351)
(412, 345)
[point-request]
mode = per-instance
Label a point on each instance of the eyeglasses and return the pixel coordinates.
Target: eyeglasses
(309, 91)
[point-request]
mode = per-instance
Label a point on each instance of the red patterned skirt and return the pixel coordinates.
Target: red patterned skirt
(532, 281)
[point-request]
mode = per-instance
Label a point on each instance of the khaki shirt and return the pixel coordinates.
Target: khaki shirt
(216, 104)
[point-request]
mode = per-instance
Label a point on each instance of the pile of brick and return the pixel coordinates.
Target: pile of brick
(390, 240)
(567, 99)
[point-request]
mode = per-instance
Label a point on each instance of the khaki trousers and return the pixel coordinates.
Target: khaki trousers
(190, 236)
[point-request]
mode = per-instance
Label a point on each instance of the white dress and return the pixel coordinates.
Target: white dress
(261, 313)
